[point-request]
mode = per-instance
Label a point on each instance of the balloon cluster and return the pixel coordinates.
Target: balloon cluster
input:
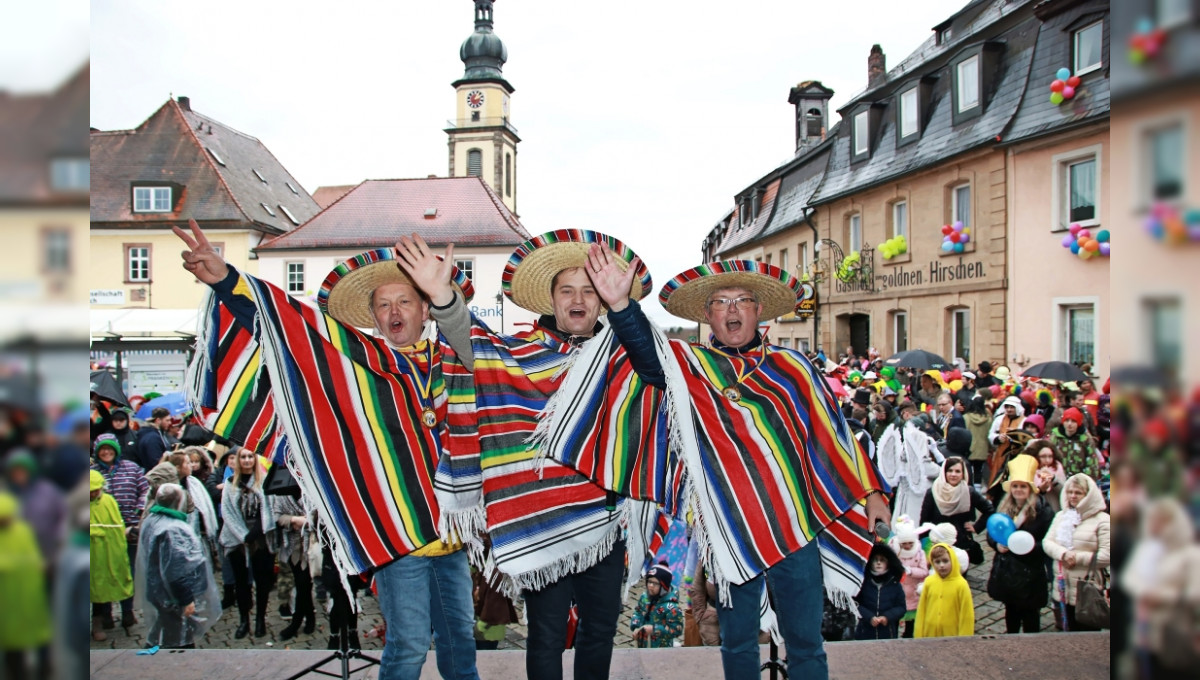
(1146, 41)
(1167, 223)
(1003, 531)
(896, 245)
(955, 237)
(1083, 243)
(1063, 86)
(848, 266)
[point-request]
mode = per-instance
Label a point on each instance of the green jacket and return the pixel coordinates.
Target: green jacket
(1078, 452)
(25, 623)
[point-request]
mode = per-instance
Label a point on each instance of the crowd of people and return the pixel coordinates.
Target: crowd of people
(490, 469)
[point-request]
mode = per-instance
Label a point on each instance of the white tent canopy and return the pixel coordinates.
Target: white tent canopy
(131, 324)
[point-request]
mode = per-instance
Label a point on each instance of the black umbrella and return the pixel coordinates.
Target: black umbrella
(1055, 370)
(104, 385)
(917, 359)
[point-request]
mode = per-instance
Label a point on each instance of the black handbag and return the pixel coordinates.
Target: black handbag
(1091, 601)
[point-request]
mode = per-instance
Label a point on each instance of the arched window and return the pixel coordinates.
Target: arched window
(814, 122)
(475, 163)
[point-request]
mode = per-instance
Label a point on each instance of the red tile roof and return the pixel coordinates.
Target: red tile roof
(326, 196)
(377, 213)
(34, 129)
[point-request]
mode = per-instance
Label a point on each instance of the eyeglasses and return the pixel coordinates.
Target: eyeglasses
(721, 304)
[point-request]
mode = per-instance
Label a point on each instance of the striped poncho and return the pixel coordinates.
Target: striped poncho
(765, 475)
(341, 408)
(545, 520)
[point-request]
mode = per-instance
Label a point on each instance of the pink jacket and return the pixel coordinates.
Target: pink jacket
(916, 569)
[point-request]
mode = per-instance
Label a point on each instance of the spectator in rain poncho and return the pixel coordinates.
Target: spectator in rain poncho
(72, 590)
(110, 579)
(175, 586)
(25, 621)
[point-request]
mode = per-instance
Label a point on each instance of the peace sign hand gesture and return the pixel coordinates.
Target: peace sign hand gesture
(612, 284)
(201, 259)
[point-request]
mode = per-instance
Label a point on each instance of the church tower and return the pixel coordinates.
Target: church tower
(483, 142)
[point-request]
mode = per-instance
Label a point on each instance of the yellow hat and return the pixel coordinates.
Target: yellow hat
(1022, 469)
(9, 505)
(96, 481)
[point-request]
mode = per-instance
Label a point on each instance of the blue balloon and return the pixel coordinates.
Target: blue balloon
(947, 246)
(1075, 248)
(1000, 526)
(1063, 73)
(958, 247)
(1144, 25)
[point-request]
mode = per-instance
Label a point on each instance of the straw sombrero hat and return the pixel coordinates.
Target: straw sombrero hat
(345, 293)
(686, 295)
(534, 264)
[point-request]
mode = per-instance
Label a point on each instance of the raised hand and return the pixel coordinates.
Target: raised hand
(432, 275)
(201, 259)
(612, 284)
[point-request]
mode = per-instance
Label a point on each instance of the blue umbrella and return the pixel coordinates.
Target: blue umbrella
(175, 402)
(76, 417)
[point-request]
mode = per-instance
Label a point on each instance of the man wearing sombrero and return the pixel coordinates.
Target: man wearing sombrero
(363, 420)
(556, 536)
(777, 484)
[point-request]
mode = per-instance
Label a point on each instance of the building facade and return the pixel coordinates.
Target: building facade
(955, 151)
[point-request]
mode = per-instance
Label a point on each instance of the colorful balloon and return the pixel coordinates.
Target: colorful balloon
(958, 247)
(964, 237)
(1084, 234)
(947, 246)
(1074, 228)
(1067, 241)
(955, 236)
(1068, 92)
(1073, 81)
(1075, 248)
(1056, 98)
(999, 527)
(946, 229)
(1057, 86)
(958, 225)
(1105, 249)
(1063, 73)
(1102, 236)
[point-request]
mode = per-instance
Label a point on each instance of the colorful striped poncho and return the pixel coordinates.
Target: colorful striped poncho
(343, 405)
(547, 520)
(765, 475)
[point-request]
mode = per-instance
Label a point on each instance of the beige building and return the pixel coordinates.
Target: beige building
(960, 132)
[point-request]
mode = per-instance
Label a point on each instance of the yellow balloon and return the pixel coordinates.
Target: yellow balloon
(955, 385)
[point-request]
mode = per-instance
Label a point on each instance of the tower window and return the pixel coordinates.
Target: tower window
(814, 122)
(474, 116)
(508, 174)
(475, 163)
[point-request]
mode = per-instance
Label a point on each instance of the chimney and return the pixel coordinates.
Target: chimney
(185, 103)
(876, 67)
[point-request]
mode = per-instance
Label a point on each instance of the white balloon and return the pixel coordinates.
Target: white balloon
(1021, 542)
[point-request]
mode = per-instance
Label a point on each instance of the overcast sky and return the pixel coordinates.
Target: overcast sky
(639, 119)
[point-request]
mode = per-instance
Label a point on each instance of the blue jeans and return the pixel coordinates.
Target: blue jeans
(799, 597)
(448, 611)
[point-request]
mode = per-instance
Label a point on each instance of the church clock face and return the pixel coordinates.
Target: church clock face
(474, 99)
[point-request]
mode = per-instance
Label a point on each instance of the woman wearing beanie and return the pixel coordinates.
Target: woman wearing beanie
(1035, 425)
(953, 500)
(658, 619)
(1019, 581)
(1078, 534)
(1076, 446)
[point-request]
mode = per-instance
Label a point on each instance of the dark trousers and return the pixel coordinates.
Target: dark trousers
(597, 592)
(304, 582)
(341, 614)
(262, 564)
(1017, 618)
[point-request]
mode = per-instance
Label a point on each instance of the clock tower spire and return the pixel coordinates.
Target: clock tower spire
(483, 141)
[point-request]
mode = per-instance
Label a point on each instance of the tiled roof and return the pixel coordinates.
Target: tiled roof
(377, 213)
(796, 193)
(182, 146)
(941, 138)
(327, 196)
(37, 128)
(739, 235)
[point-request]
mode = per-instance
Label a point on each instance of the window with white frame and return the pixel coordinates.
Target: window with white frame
(968, 84)
(152, 199)
(1088, 48)
(467, 267)
(960, 334)
(56, 242)
(70, 174)
(1170, 13)
(1079, 334)
(786, 343)
(1081, 191)
(855, 237)
(862, 133)
(137, 263)
(295, 277)
(1164, 332)
(960, 204)
(908, 112)
(803, 345)
(1164, 162)
(900, 219)
(900, 331)
(783, 261)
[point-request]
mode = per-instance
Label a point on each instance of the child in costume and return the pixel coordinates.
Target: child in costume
(946, 608)
(908, 548)
(881, 602)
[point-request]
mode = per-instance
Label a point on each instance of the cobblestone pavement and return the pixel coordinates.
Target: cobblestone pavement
(989, 620)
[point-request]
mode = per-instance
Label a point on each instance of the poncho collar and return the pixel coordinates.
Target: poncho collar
(169, 512)
(752, 345)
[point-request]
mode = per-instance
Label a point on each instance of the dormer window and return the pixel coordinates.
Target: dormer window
(863, 130)
(944, 35)
(1087, 48)
(966, 83)
(909, 112)
(862, 133)
(151, 199)
(70, 174)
